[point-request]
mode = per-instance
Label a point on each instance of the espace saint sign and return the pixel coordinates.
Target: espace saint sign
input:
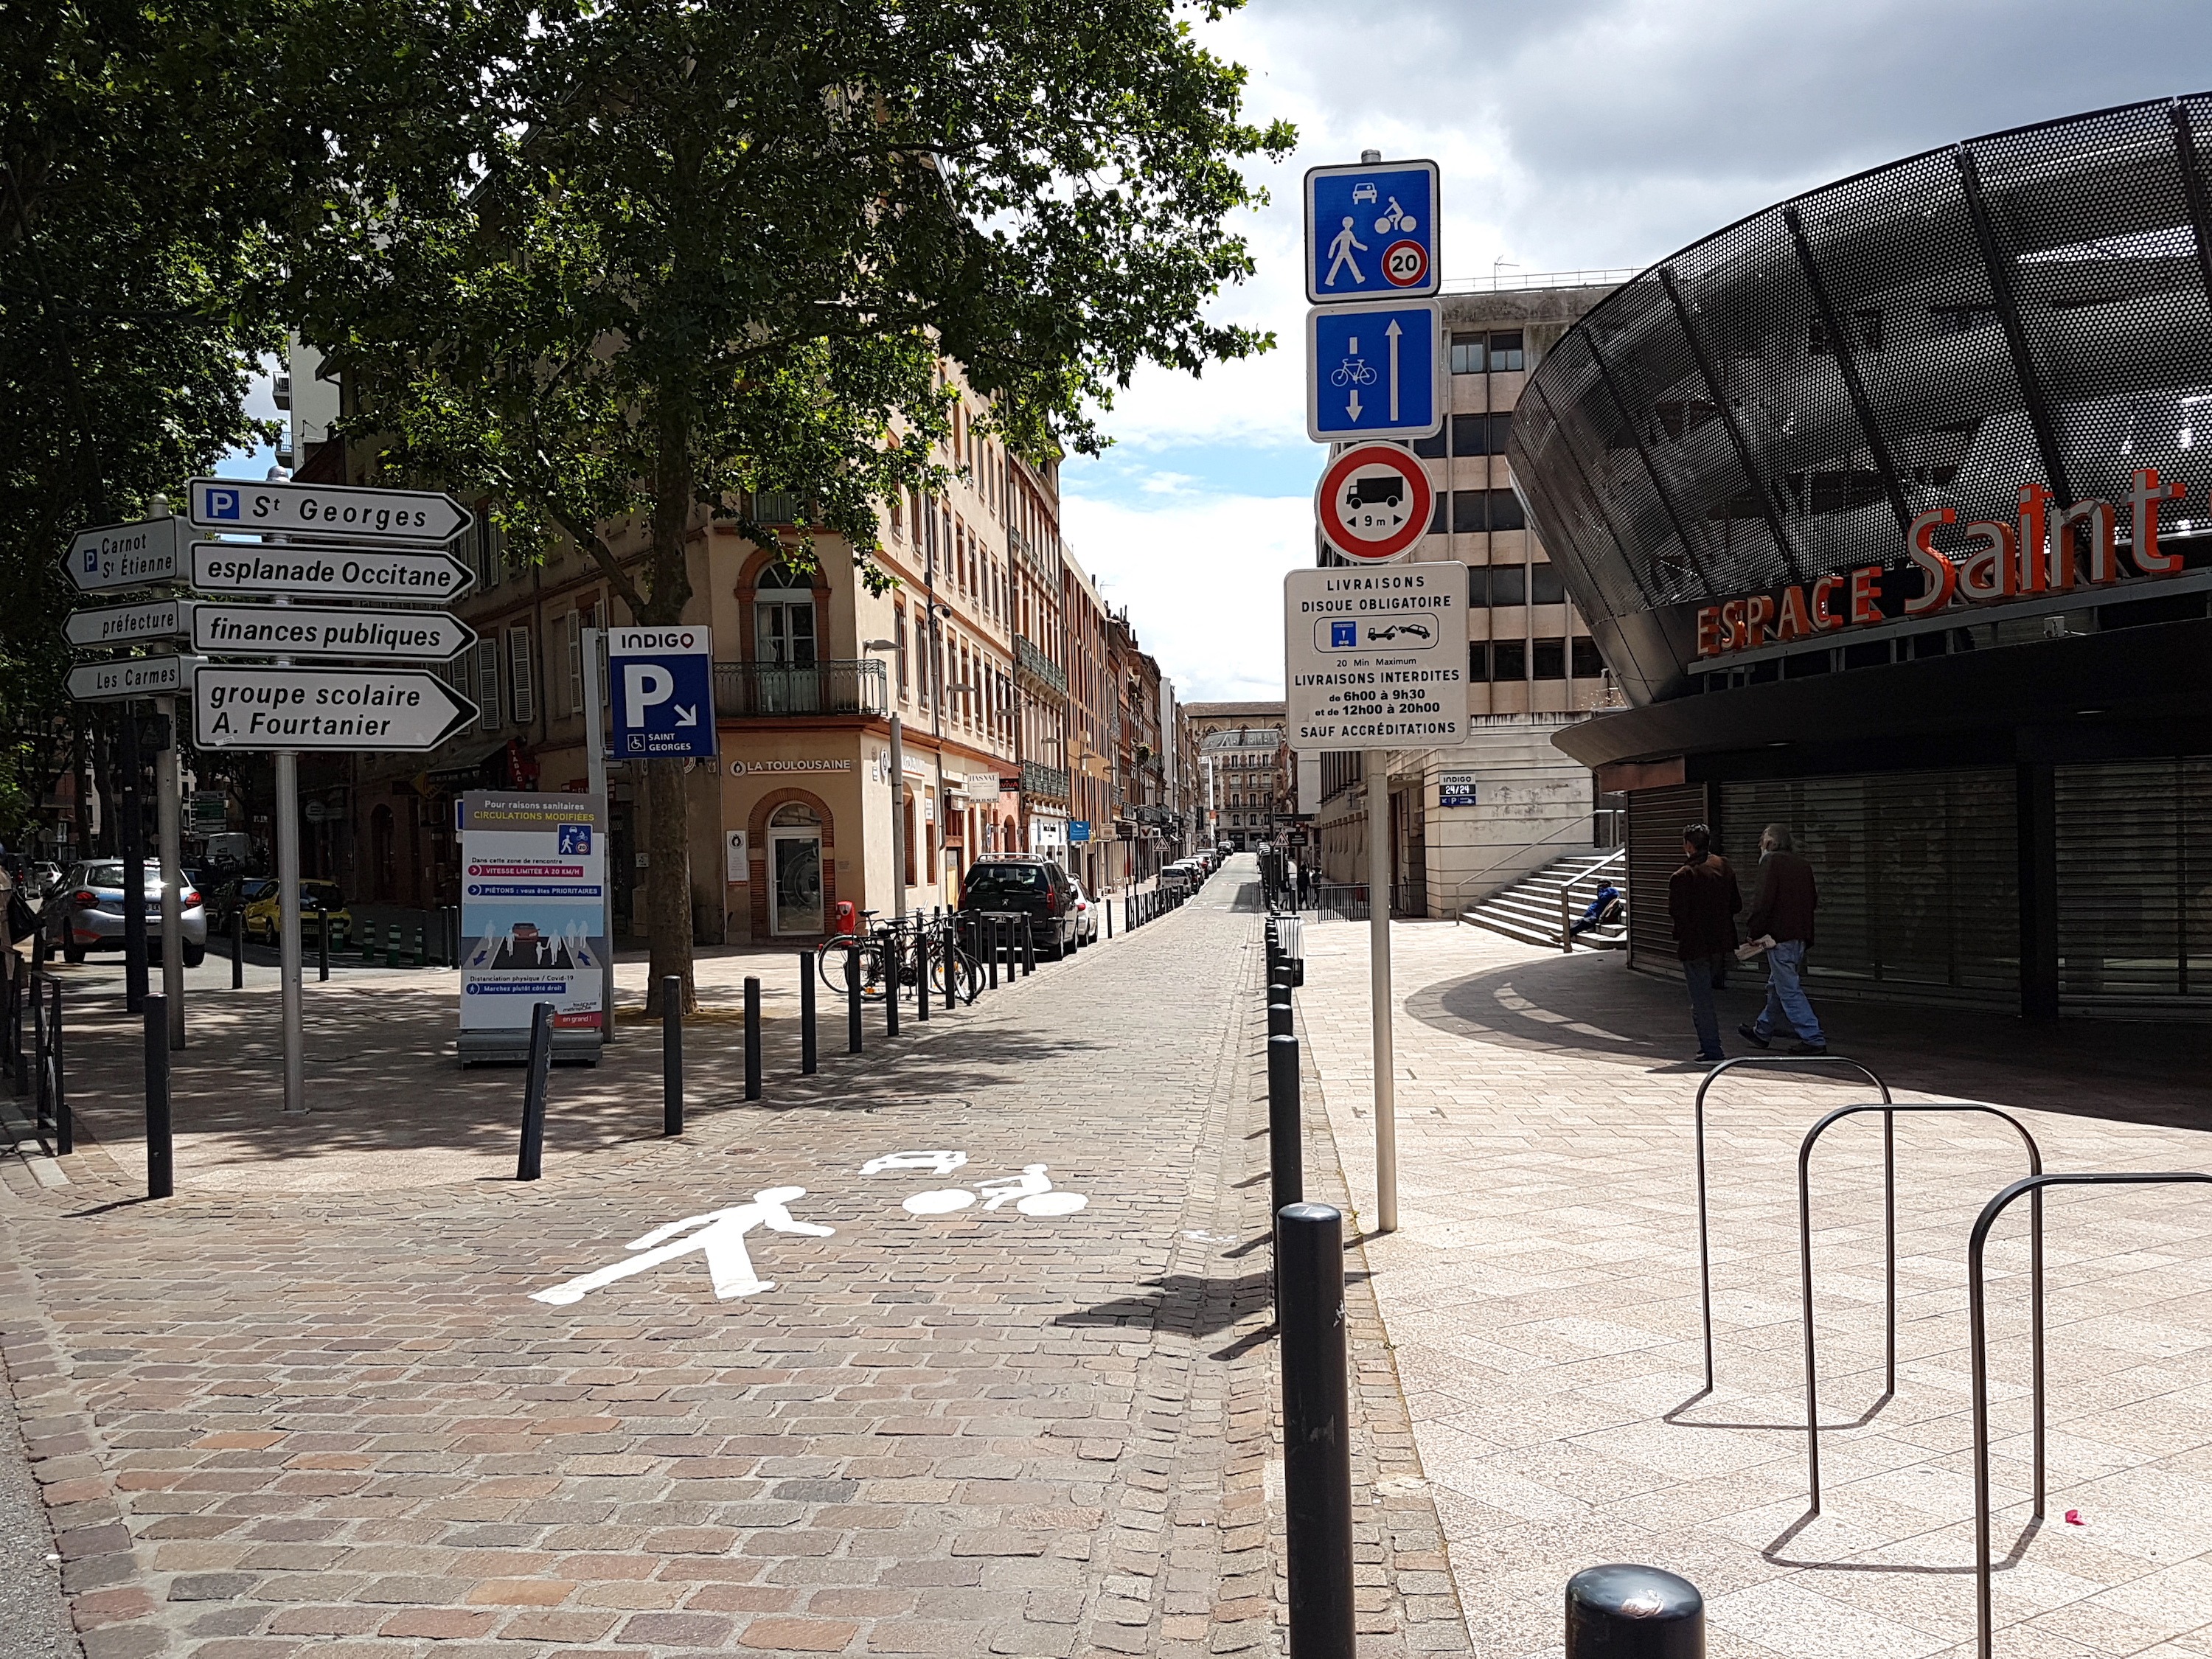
(2048, 551)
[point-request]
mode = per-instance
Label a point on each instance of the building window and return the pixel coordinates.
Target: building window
(1429, 449)
(571, 661)
(1501, 432)
(1440, 515)
(1545, 587)
(1467, 511)
(898, 637)
(522, 685)
(1470, 435)
(1478, 585)
(1505, 351)
(1478, 661)
(488, 685)
(1509, 584)
(1467, 354)
(1509, 659)
(1549, 659)
(1505, 511)
(1587, 665)
(783, 618)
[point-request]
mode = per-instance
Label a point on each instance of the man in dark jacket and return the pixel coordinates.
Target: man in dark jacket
(1781, 907)
(1703, 898)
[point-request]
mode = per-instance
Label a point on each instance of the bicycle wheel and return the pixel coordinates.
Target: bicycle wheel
(830, 955)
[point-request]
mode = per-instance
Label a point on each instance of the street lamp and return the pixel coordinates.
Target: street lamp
(898, 788)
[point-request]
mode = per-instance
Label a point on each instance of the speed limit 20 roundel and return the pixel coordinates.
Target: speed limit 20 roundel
(1374, 502)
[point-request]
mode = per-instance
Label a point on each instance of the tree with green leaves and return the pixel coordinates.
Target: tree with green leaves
(128, 194)
(627, 263)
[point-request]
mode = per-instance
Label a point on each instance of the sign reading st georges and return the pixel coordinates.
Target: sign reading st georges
(1377, 658)
(1374, 502)
(662, 680)
(280, 507)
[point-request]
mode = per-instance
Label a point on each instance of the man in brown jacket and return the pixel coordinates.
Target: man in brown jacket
(1781, 907)
(1703, 898)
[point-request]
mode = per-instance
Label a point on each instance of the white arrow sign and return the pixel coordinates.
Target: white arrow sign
(130, 677)
(130, 624)
(112, 555)
(300, 570)
(301, 631)
(386, 710)
(281, 507)
(1393, 332)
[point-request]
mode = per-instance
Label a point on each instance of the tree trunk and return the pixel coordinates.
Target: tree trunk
(668, 880)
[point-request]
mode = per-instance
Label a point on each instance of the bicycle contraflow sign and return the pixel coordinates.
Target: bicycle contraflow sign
(1375, 371)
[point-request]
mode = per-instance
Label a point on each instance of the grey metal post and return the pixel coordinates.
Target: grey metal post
(672, 1055)
(132, 846)
(898, 818)
(1285, 1159)
(161, 1165)
(1316, 1430)
(169, 830)
(595, 767)
(527, 1161)
(809, 1054)
(64, 1124)
(1375, 764)
(752, 1038)
(288, 928)
(1624, 1612)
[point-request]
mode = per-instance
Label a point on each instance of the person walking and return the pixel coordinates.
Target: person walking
(1782, 906)
(1703, 898)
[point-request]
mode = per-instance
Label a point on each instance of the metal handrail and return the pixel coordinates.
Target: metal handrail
(1977, 1325)
(1805, 1277)
(1889, 1185)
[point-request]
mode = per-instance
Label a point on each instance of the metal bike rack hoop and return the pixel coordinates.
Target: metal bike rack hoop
(1704, 1223)
(1805, 1274)
(1975, 1320)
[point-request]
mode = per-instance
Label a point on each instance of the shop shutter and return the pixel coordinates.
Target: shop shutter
(1918, 876)
(1656, 821)
(2135, 885)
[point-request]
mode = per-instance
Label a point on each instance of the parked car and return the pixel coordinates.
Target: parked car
(41, 880)
(321, 905)
(1009, 884)
(87, 913)
(1086, 916)
(231, 893)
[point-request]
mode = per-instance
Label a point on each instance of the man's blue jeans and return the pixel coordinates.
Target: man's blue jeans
(1786, 1001)
(1699, 972)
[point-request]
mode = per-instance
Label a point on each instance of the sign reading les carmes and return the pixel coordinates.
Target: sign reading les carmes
(1375, 658)
(2048, 551)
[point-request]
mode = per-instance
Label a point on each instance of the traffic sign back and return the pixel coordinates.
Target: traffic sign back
(1372, 230)
(1375, 371)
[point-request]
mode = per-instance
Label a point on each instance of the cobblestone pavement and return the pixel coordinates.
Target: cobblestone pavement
(1541, 1297)
(271, 1421)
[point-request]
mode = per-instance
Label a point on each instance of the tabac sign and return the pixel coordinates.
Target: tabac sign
(2049, 550)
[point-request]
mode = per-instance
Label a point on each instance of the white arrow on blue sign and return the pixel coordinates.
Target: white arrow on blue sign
(1372, 230)
(663, 685)
(1375, 371)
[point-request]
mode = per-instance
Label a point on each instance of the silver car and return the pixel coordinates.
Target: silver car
(85, 913)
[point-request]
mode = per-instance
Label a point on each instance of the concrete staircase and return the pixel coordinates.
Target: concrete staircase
(1528, 910)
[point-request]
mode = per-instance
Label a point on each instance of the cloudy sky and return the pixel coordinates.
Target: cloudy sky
(1577, 134)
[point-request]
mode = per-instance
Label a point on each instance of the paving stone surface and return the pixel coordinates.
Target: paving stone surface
(1541, 1299)
(271, 1419)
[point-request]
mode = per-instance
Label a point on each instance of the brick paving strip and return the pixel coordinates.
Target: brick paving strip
(333, 1421)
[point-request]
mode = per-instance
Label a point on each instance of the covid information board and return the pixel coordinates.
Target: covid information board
(532, 905)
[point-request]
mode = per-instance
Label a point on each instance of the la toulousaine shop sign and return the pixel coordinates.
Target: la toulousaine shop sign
(2040, 556)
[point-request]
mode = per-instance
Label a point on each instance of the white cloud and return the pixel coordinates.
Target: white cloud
(1203, 582)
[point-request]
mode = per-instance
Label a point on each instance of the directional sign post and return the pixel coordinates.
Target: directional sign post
(129, 624)
(126, 677)
(115, 555)
(1374, 502)
(380, 710)
(281, 508)
(1375, 371)
(1372, 230)
(303, 631)
(662, 686)
(299, 570)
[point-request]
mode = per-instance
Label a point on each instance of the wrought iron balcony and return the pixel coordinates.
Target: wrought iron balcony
(1030, 660)
(765, 691)
(1049, 781)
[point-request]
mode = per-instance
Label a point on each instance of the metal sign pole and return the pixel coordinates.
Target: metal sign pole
(595, 765)
(898, 817)
(132, 844)
(168, 808)
(1377, 765)
(287, 915)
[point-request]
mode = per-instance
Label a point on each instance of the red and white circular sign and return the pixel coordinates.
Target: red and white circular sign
(1374, 502)
(1406, 263)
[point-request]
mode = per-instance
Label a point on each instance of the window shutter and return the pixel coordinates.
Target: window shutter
(573, 650)
(487, 697)
(525, 702)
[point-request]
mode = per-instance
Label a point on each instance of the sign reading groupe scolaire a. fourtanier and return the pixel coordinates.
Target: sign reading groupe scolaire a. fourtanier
(304, 630)
(323, 571)
(280, 507)
(368, 709)
(1377, 658)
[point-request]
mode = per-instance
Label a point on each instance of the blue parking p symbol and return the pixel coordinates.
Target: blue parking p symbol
(222, 503)
(1343, 635)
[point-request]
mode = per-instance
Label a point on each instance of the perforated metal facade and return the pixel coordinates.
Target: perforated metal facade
(1776, 401)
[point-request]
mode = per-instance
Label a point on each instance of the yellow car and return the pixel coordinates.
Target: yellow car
(321, 905)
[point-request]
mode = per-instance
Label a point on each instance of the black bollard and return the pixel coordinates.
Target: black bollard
(810, 1056)
(1625, 1612)
(851, 999)
(894, 949)
(1110, 918)
(952, 961)
(991, 950)
(1029, 945)
(1317, 1443)
(752, 1040)
(160, 1165)
(529, 1158)
(322, 945)
(237, 946)
(1286, 1152)
(672, 1055)
(922, 955)
(1279, 1013)
(20, 988)
(65, 1126)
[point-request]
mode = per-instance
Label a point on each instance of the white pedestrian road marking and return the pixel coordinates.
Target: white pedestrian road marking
(719, 1234)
